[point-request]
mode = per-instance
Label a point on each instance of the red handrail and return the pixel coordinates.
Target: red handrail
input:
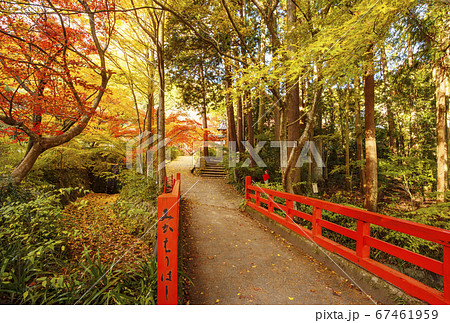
(364, 242)
(167, 244)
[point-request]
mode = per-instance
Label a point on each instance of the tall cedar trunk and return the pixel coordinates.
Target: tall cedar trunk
(161, 107)
(293, 96)
(390, 115)
(276, 117)
(248, 107)
(295, 153)
(359, 142)
(239, 125)
(370, 202)
(272, 24)
(231, 131)
(261, 58)
(204, 116)
(348, 178)
(441, 129)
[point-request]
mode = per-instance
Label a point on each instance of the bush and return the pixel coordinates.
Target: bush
(136, 206)
(35, 267)
(32, 241)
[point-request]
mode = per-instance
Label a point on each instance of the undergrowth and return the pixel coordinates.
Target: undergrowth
(35, 263)
(136, 206)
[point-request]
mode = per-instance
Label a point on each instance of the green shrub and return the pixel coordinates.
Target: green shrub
(32, 241)
(136, 205)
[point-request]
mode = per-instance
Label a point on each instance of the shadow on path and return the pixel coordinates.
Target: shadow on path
(233, 259)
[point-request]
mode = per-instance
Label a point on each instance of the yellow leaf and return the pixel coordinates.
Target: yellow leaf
(291, 298)
(25, 295)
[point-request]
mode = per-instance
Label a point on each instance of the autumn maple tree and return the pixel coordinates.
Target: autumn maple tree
(53, 70)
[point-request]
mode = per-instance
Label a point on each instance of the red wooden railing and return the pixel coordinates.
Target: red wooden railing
(167, 243)
(364, 241)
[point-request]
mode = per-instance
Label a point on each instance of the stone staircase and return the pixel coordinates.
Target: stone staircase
(213, 170)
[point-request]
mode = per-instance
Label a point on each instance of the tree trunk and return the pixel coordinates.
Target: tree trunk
(240, 125)
(293, 94)
(295, 153)
(359, 142)
(276, 118)
(371, 198)
(250, 124)
(231, 131)
(19, 173)
(161, 107)
(390, 115)
(348, 178)
(441, 129)
(204, 116)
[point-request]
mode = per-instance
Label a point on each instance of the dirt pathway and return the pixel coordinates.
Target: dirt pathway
(233, 259)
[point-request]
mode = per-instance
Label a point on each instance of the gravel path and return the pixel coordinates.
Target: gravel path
(233, 259)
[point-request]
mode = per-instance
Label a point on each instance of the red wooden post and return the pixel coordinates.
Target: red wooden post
(316, 227)
(258, 198)
(167, 247)
(248, 182)
(270, 207)
(289, 207)
(446, 274)
(362, 230)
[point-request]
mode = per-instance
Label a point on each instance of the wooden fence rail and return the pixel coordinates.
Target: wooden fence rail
(254, 197)
(167, 242)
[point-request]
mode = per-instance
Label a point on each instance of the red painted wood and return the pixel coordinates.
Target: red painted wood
(337, 228)
(407, 284)
(304, 216)
(289, 207)
(167, 245)
(362, 232)
(412, 257)
(423, 231)
(365, 241)
(446, 274)
(317, 215)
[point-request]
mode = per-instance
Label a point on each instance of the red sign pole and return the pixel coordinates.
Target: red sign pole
(167, 246)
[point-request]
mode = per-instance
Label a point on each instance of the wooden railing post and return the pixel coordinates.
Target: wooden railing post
(289, 207)
(316, 227)
(167, 246)
(248, 182)
(446, 275)
(258, 198)
(362, 230)
(270, 207)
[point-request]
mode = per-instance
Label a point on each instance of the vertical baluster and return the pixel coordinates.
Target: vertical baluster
(316, 227)
(258, 198)
(248, 182)
(289, 208)
(271, 202)
(446, 274)
(362, 230)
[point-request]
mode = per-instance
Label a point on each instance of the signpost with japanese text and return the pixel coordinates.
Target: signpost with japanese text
(167, 245)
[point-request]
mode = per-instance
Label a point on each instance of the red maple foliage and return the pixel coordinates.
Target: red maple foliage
(53, 70)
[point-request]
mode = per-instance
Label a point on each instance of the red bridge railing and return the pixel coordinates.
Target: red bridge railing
(167, 242)
(364, 241)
